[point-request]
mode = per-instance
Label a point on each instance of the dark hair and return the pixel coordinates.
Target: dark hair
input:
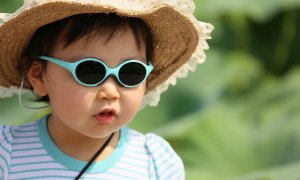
(75, 27)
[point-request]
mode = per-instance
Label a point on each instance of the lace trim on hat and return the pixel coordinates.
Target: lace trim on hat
(3, 17)
(6, 92)
(204, 29)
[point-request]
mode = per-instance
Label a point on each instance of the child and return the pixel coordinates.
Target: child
(96, 63)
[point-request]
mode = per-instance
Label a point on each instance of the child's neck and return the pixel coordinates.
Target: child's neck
(81, 147)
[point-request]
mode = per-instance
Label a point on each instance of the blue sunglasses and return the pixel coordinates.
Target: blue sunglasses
(92, 72)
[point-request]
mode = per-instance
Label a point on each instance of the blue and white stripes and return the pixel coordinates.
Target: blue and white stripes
(25, 153)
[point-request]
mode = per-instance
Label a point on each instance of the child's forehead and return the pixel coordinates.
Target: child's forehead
(121, 47)
(97, 40)
(99, 27)
(101, 39)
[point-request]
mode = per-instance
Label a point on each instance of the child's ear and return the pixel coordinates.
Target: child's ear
(35, 76)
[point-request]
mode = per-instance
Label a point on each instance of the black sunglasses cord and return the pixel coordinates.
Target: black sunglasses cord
(94, 157)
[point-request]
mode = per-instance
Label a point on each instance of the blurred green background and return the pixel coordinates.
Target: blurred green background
(238, 116)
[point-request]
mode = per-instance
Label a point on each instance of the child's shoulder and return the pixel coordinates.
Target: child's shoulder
(149, 140)
(10, 137)
(8, 132)
(165, 162)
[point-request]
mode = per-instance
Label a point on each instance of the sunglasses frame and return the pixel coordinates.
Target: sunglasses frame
(71, 66)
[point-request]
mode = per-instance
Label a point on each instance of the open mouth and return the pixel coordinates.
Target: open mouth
(106, 115)
(108, 112)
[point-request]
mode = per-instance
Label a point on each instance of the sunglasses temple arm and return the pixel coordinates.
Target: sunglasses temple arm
(149, 68)
(60, 63)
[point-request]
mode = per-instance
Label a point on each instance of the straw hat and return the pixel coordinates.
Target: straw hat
(179, 39)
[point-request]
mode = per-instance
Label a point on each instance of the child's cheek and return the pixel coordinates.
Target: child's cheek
(131, 101)
(70, 99)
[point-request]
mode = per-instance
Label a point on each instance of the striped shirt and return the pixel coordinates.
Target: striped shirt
(28, 152)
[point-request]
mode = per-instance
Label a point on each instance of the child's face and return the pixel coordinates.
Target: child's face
(93, 111)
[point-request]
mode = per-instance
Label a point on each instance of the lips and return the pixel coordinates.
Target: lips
(106, 116)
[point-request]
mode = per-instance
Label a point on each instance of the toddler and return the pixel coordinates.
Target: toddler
(96, 63)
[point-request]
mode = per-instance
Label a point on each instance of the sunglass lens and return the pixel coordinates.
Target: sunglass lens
(90, 72)
(132, 74)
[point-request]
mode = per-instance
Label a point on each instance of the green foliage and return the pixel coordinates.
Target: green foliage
(12, 113)
(245, 125)
(267, 29)
(9, 6)
(256, 9)
(237, 116)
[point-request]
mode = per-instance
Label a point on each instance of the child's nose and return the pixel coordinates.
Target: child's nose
(108, 90)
